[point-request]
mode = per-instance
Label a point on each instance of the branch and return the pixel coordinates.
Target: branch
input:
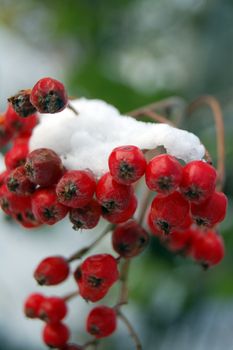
(132, 333)
(219, 127)
(79, 254)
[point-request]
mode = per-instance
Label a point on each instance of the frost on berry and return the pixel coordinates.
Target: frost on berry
(76, 188)
(18, 183)
(21, 103)
(129, 239)
(43, 167)
(96, 275)
(49, 96)
(101, 321)
(86, 217)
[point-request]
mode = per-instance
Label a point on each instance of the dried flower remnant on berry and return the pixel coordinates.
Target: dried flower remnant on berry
(21, 103)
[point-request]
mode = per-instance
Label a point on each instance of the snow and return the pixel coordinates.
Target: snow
(85, 141)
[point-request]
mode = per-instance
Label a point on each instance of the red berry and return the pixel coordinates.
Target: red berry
(96, 275)
(24, 215)
(86, 217)
(212, 211)
(32, 305)
(17, 125)
(12, 203)
(163, 174)
(52, 309)
(21, 103)
(16, 156)
(111, 195)
(129, 239)
(3, 177)
(46, 207)
(127, 164)
(52, 270)
(56, 335)
(101, 321)
(118, 216)
(44, 167)
(169, 213)
(18, 183)
(49, 96)
(207, 248)
(181, 241)
(198, 181)
(76, 188)
(5, 133)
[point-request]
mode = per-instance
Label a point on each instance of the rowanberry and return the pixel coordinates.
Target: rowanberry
(5, 134)
(96, 275)
(17, 125)
(153, 229)
(21, 103)
(12, 203)
(16, 156)
(18, 183)
(32, 305)
(163, 174)
(49, 96)
(181, 241)
(52, 270)
(3, 177)
(212, 211)
(198, 181)
(76, 188)
(52, 310)
(111, 195)
(44, 167)
(101, 322)
(169, 213)
(129, 239)
(56, 335)
(24, 215)
(118, 216)
(86, 217)
(127, 164)
(207, 248)
(46, 207)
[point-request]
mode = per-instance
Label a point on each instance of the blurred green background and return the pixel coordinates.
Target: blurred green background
(131, 53)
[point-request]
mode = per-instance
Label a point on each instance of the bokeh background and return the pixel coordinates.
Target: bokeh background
(129, 53)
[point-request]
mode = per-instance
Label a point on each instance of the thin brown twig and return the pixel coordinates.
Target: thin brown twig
(133, 334)
(123, 295)
(72, 109)
(79, 254)
(71, 295)
(214, 105)
(93, 342)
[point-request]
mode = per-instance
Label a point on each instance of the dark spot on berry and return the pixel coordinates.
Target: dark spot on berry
(94, 329)
(12, 184)
(94, 281)
(108, 207)
(49, 213)
(165, 183)
(163, 226)
(78, 274)
(201, 221)
(126, 171)
(193, 193)
(19, 217)
(69, 192)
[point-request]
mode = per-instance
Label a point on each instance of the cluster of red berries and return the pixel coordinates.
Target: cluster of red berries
(36, 189)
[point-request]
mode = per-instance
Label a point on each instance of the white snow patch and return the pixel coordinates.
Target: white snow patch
(85, 141)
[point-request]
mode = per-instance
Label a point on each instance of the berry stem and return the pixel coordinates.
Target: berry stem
(72, 109)
(123, 296)
(94, 343)
(214, 105)
(79, 254)
(71, 295)
(132, 333)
